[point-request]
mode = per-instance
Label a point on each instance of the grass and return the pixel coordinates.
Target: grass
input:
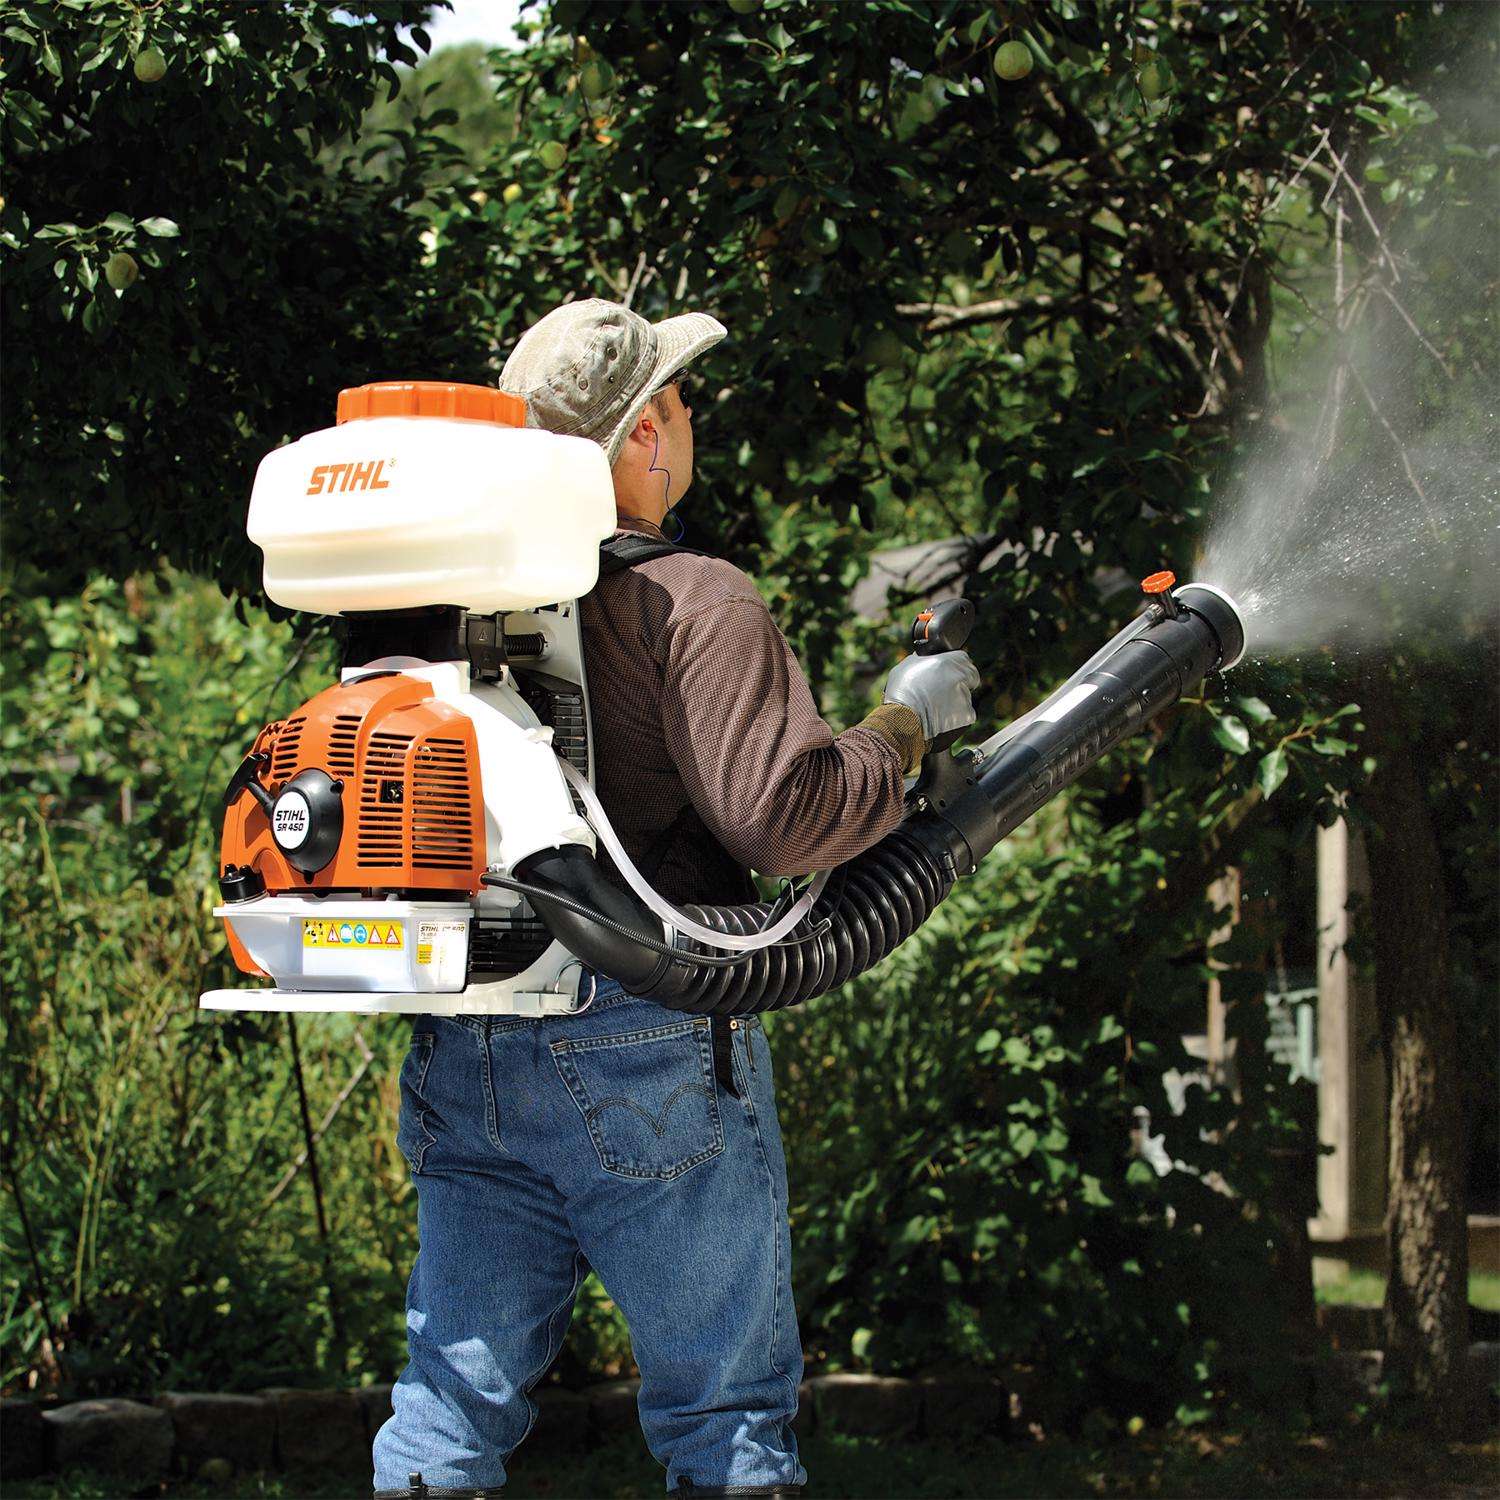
(1213, 1466)
(1367, 1289)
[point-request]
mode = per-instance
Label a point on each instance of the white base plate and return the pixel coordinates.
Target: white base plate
(477, 1000)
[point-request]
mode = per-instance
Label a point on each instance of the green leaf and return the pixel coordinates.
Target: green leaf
(1271, 771)
(162, 229)
(120, 222)
(987, 1042)
(1231, 734)
(1093, 1192)
(1257, 710)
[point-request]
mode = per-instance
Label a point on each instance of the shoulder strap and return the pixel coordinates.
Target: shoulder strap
(615, 555)
(621, 552)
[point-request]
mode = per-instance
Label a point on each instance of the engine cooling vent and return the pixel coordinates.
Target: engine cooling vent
(568, 732)
(441, 832)
(341, 743)
(284, 752)
(507, 947)
(560, 704)
(382, 800)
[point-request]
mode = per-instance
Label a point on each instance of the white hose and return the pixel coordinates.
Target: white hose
(733, 943)
(708, 936)
(1002, 736)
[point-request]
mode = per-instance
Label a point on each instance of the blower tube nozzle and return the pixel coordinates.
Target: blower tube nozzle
(878, 899)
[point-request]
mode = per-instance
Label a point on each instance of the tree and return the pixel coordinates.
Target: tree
(1030, 311)
(187, 288)
(1379, 520)
(1419, 362)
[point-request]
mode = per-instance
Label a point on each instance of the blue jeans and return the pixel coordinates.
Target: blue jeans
(608, 1139)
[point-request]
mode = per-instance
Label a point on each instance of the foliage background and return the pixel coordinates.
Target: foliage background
(1035, 314)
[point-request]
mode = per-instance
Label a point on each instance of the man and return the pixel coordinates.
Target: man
(632, 1138)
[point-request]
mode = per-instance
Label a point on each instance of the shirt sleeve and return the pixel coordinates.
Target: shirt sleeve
(778, 789)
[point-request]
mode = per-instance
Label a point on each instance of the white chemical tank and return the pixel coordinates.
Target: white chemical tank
(430, 493)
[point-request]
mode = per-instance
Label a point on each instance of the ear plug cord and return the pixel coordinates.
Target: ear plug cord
(662, 469)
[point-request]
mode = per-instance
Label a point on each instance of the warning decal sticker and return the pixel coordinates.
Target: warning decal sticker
(321, 932)
(443, 947)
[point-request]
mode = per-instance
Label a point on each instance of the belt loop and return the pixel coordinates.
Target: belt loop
(723, 1044)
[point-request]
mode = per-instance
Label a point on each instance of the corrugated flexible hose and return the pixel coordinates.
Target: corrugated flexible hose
(875, 901)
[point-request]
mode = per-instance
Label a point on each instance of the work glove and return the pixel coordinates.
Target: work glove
(938, 689)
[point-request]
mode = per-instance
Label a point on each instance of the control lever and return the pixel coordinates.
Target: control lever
(943, 778)
(942, 627)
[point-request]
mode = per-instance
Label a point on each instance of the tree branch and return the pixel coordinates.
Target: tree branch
(944, 317)
(289, 1176)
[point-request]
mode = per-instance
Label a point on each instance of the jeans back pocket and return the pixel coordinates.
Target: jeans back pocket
(647, 1097)
(412, 1135)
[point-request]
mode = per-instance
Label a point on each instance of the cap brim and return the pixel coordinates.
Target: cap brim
(679, 341)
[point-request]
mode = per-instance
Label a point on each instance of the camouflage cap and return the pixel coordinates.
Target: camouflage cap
(589, 368)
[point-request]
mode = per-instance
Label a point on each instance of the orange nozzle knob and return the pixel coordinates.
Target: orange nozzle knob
(1158, 583)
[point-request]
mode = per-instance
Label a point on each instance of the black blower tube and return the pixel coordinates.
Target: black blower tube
(877, 900)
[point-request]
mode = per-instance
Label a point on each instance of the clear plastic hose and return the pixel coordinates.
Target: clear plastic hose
(709, 936)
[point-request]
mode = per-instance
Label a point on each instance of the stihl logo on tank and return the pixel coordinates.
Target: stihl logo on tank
(335, 478)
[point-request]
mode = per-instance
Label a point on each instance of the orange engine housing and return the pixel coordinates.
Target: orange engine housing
(413, 806)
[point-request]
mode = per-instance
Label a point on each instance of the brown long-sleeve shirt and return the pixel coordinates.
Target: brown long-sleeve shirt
(710, 756)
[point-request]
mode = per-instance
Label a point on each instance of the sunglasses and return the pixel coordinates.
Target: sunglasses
(684, 384)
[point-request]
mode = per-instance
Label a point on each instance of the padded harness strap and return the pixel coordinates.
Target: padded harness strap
(615, 555)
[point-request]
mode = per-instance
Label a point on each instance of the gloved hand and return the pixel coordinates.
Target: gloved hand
(938, 689)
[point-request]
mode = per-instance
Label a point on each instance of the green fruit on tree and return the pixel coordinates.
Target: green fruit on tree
(121, 270)
(1136, 1426)
(1153, 82)
(150, 65)
(596, 78)
(1013, 60)
(511, 192)
(552, 154)
(744, 7)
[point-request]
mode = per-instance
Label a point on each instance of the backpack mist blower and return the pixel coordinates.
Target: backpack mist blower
(420, 837)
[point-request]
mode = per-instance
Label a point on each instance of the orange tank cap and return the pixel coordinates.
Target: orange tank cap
(431, 398)
(1158, 583)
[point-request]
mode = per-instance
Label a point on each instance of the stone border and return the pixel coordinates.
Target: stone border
(212, 1436)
